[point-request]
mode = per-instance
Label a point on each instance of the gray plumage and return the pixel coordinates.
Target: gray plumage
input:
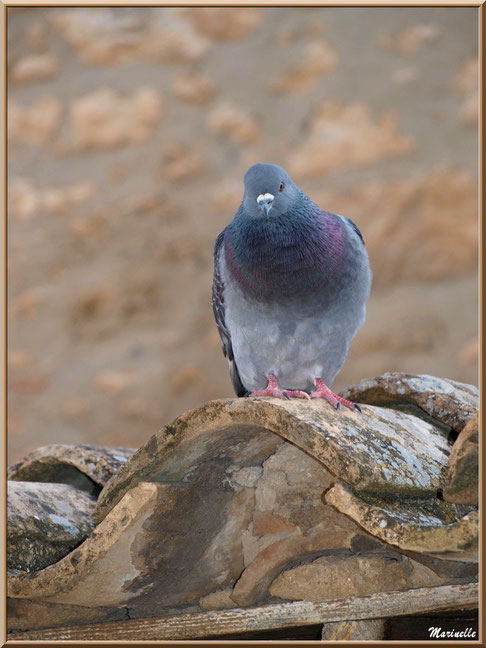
(290, 286)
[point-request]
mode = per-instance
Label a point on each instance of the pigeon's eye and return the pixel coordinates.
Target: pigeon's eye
(282, 186)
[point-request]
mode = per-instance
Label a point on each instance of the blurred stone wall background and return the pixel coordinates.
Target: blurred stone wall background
(129, 133)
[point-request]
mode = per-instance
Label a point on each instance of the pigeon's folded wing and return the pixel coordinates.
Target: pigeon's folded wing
(219, 315)
(355, 228)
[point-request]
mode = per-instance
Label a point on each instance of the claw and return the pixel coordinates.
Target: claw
(298, 393)
(323, 391)
(272, 389)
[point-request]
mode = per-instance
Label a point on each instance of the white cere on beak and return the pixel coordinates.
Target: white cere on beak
(265, 198)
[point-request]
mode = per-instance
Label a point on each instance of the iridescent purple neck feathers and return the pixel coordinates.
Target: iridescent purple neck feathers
(287, 257)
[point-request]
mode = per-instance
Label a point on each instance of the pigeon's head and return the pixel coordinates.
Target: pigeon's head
(269, 191)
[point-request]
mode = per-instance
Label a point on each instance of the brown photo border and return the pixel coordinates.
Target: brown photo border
(3, 301)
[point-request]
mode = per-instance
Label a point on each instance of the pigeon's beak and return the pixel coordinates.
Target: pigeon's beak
(265, 202)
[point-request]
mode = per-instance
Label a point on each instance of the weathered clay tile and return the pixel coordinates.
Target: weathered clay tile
(23, 614)
(106, 552)
(332, 577)
(195, 519)
(423, 525)
(217, 600)
(219, 502)
(87, 467)
(448, 401)
(44, 523)
(256, 578)
(379, 449)
(461, 481)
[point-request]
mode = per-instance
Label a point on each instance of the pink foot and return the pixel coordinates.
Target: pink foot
(323, 391)
(274, 390)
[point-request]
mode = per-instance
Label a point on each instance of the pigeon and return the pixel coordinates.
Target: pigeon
(290, 287)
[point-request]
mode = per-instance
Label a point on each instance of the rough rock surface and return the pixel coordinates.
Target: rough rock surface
(461, 481)
(35, 123)
(423, 525)
(234, 123)
(333, 577)
(319, 59)
(223, 23)
(107, 37)
(448, 401)
(87, 467)
(34, 67)
(25, 201)
(194, 88)
(104, 119)
(407, 41)
(349, 135)
(44, 523)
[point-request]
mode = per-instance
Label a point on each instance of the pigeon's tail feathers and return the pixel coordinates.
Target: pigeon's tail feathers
(238, 386)
(219, 316)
